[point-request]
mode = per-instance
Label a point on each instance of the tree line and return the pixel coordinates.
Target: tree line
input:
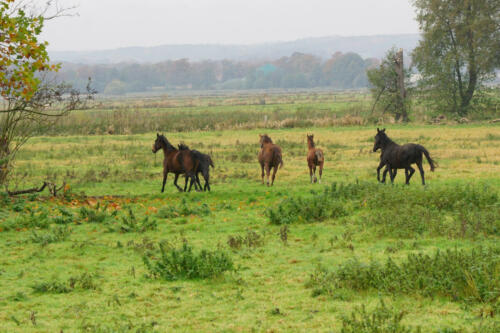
(341, 71)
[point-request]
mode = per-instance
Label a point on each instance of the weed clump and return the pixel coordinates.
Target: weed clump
(250, 240)
(183, 210)
(468, 276)
(96, 215)
(130, 223)
(381, 319)
(84, 281)
(183, 263)
(54, 235)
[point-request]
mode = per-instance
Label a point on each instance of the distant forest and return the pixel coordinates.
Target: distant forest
(341, 71)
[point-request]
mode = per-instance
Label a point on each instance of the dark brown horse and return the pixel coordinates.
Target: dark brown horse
(395, 156)
(176, 161)
(315, 158)
(269, 157)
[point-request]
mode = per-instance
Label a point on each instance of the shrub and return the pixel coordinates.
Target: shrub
(470, 276)
(66, 216)
(174, 264)
(381, 319)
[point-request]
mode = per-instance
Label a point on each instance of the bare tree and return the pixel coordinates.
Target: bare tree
(30, 100)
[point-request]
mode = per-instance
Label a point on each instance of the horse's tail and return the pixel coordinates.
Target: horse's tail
(319, 155)
(432, 163)
(280, 159)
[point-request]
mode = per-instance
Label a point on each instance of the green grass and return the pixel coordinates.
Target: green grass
(240, 272)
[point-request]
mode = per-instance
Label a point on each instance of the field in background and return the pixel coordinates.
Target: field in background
(299, 257)
(238, 110)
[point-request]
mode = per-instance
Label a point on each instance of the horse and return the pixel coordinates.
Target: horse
(315, 158)
(176, 161)
(395, 156)
(204, 164)
(269, 157)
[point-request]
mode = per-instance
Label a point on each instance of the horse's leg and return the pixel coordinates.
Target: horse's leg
(197, 178)
(314, 174)
(268, 171)
(206, 175)
(320, 172)
(165, 173)
(419, 164)
(185, 182)
(380, 166)
(192, 178)
(390, 173)
(262, 175)
(175, 183)
(411, 172)
(311, 173)
(274, 174)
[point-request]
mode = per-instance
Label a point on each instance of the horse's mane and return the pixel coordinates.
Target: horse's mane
(266, 139)
(183, 146)
(385, 139)
(167, 144)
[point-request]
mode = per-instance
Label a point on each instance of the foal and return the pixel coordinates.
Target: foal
(204, 164)
(315, 158)
(176, 161)
(395, 156)
(269, 157)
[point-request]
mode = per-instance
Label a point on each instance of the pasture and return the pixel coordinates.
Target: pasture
(292, 257)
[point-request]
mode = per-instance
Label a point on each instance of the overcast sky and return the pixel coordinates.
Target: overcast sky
(105, 24)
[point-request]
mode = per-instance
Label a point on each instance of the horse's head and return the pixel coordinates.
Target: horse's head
(379, 139)
(310, 140)
(157, 145)
(264, 139)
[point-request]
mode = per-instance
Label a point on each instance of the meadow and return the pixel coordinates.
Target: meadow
(113, 254)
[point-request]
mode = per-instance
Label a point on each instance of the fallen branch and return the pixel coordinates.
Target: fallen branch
(53, 189)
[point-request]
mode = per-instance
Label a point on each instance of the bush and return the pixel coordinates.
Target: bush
(175, 264)
(470, 276)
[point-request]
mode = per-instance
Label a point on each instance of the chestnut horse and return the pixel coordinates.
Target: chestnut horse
(315, 158)
(176, 161)
(395, 156)
(269, 157)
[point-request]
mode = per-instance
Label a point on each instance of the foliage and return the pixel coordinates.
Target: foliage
(381, 320)
(385, 89)
(458, 51)
(177, 264)
(460, 275)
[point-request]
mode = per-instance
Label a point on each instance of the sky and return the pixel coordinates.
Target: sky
(109, 24)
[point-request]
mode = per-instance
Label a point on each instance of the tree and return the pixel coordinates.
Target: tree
(459, 50)
(29, 100)
(389, 82)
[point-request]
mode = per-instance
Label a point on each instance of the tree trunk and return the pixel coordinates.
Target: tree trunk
(398, 63)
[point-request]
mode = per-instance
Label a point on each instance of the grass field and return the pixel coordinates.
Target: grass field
(78, 262)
